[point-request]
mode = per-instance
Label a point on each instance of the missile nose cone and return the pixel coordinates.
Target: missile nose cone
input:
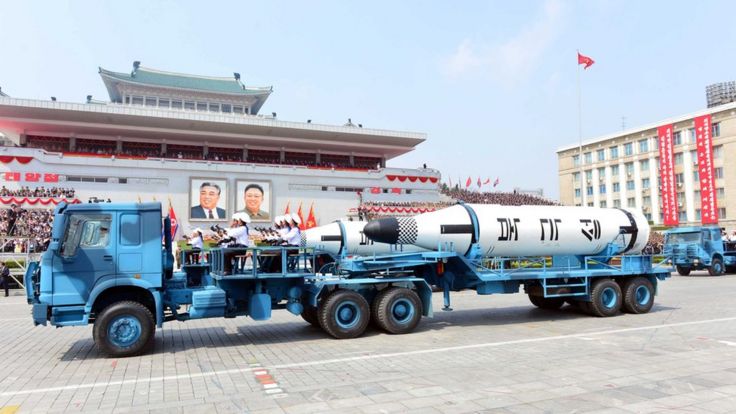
(385, 230)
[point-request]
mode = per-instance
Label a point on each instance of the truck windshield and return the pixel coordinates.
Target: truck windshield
(674, 238)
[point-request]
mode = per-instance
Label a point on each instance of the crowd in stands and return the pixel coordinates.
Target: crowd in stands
(655, 245)
(43, 192)
(503, 198)
(25, 231)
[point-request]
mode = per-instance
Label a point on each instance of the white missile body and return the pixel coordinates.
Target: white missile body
(507, 231)
(330, 238)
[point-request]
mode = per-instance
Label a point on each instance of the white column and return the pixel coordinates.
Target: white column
(609, 187)
(687, 171)
(596, 183)
(637, 184)
(654, 192)
(622, 183)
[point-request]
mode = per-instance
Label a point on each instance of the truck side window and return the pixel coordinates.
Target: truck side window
(86, 231)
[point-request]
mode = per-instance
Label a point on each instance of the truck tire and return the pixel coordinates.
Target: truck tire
(344, 314)
(605, 297)
(683, 270)
(716, 267)
(124, 329)
(397, 310)
(546, 303)
(638, 295)
(309, 314)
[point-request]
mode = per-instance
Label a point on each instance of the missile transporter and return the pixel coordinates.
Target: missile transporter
(106, 266)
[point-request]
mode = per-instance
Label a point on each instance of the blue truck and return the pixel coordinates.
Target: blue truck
(699, 248)
(106, 265)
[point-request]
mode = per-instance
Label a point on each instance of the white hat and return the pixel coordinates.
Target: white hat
(295, 218)
(244, 217)
(278, 220)
(197, 230)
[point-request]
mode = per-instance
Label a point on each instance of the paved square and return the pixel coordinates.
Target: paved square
(495, 354)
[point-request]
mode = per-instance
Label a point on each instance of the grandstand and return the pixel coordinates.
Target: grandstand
(162, 135)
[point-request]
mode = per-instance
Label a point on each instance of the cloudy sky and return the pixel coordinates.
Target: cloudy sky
(492, 83)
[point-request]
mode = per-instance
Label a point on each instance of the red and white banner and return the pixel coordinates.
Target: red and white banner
(37, 200)
(704, 142)
(668, 188)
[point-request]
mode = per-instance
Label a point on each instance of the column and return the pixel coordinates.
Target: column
(653, 184)
(689, 185)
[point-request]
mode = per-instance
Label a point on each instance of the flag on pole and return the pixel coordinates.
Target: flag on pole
(303, 225)
(174, 221)
(450, 178)
(495, 183)
(479, 183)
(468, 182)
(585, 60)
(311, 221)
(487, 181)
(286, 210)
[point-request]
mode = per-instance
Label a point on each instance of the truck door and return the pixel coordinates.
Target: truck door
(85, 257)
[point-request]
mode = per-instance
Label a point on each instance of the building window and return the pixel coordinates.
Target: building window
(163, 102)
(718, 172)
(630, 184)
(603, 204)
(644, 183)
(691, 134)
(628, 149)
(590, 204)
(631, 202)
(601, 155)
(214, 107)
(643, 146)
(697, 214)
(577, 193)
(629, 166)
(678, 158)
(680, 199)
(589, 190)
(655, 140)
(680, 178)
(694, 157)
(644, 165)
(648, 216)
(576, 160)
(137, 100)
(614, 152)
(616, 187)
(576, 177)
(227, 108)
(127, 99)
(588, 158)
(617, 203)
(602, 173)
(614, 171)
(683, 216)
(150, 101)
(696, 175)
(189, 105)
(176, 104)
(720, 193)
(237, 109)
(202, 106)
(722, 212)
(602, 189)
(677, 138)
(696, 194)
(646, 201)
(715, 129)
(588, 175)
(718, 151)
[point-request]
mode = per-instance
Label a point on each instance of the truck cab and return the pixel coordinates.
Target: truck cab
(698, 248)
(101, 254)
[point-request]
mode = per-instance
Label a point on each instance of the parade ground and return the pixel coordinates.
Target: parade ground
(494, 354)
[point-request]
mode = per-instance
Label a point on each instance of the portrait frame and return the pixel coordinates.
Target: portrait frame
(198, 214)
(266, 205)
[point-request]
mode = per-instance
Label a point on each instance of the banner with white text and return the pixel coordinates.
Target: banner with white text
(706, 174)
(668, 189)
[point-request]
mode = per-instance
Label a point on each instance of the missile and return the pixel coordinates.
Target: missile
(332, 237)
(508, 231)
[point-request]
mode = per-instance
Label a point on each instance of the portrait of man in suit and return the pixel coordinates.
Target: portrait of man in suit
(253, 197)
(212, 199)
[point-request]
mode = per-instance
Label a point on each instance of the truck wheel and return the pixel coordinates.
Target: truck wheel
(606, 298)
(546, 303)
(682, 270)
(309, 314)
(397, 310)
(716, 267)
(638, 295)
(124, 329)
(344, 314)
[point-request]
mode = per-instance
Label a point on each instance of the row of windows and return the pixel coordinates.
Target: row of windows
(643, 146)
(643, 167)
(189, 105)
(682, 215)
(602, 189)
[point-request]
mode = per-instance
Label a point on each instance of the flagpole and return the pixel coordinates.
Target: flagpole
(580, 137)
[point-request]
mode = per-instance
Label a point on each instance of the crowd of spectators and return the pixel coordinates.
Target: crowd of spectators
(655, 245)
(503, 198)
(25, 231)
(43, 192)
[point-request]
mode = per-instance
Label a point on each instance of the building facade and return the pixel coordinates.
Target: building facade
(622, 169)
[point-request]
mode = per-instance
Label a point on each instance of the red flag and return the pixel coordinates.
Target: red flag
(174, 221)
(311, 221)
(33, 176)
(12, 176)
(495, 183)
(479, 183)
(584, 60)
(51, 178)
(286, 211)
(467, 183)
(375, 190)
(487, 181)
(396, 190)
(302, 226)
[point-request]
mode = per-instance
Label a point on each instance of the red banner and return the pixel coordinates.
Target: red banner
(668, 188)
(704, 141)
(32, 176)
(36, 200)
(51, 178)
(12, 176)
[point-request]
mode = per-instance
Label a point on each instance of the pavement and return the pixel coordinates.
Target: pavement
(492, 354)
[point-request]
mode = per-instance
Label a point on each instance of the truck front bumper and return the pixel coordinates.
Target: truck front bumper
(40, 314)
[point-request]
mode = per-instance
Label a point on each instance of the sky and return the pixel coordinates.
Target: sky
(491, 83)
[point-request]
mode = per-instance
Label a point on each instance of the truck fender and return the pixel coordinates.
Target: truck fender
(111, 281)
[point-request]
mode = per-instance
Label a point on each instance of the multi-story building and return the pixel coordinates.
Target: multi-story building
(622, 169)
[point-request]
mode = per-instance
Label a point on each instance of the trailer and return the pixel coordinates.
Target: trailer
(106, 266)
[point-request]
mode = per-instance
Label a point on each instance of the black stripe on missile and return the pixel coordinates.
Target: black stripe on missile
(456, 229)
(633, 230)
(332, 238)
